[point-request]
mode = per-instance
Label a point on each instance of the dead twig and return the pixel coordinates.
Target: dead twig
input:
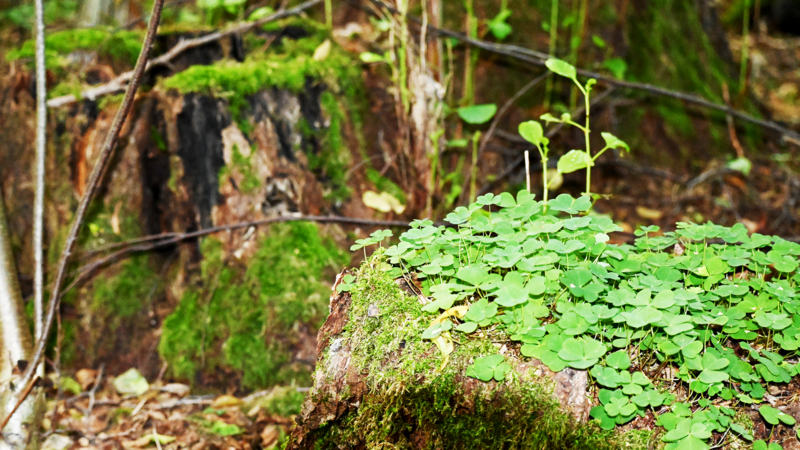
(148, 243)
(118, 83)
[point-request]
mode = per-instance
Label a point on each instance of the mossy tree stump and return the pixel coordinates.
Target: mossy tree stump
(379, 385)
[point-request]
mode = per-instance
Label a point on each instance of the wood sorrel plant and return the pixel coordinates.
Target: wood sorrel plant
(574, 159)
(715, 324)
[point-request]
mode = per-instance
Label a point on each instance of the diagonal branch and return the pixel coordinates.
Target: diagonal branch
(118, 83)
(99, 167)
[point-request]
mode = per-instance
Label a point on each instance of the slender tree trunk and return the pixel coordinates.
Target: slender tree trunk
(21, 431)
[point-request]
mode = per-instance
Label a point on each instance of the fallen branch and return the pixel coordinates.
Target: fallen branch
(148, 243)
(118, 83)
(539, 58)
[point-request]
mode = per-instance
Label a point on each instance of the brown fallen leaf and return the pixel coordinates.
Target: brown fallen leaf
(269, 436)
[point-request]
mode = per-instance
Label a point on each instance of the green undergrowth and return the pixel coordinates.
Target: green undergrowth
(291, 66)
(673, 33)
(246, 315)
(122, 46)
(413, 401)
(691, 326)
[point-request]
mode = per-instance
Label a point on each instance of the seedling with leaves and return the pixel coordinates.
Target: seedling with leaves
(574, 159)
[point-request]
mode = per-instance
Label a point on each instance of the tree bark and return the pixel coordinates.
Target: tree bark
(16, 346)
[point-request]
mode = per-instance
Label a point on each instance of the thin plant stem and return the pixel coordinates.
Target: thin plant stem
(469, 65)
(41, 148)
(328, 14)
(586, 131)
(745, 47)
(548, 88)
(577, 42)
(474, 176)
(91, 187)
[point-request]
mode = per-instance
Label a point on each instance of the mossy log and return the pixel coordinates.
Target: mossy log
(379, 385)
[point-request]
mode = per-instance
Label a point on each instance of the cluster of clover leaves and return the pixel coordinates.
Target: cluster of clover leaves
(706, 311)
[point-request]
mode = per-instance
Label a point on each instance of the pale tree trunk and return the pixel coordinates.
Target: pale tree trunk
(22, 429)
(98, 12)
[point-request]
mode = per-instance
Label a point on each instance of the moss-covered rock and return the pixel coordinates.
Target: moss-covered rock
(379, 383)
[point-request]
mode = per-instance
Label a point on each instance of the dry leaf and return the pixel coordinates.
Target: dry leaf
(383, 202)
(224, 401)
(270, 435)
(647, 213)
(323, 50)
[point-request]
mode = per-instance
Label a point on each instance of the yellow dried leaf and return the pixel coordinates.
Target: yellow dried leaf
(323, 50)
(383, 202)
(647, 213)
(224, 401)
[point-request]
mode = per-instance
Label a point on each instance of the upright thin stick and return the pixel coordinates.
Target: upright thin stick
(99, 167)
(41, 145)
(528, 172)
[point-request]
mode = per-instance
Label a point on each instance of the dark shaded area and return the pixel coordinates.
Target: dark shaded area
(200, 126)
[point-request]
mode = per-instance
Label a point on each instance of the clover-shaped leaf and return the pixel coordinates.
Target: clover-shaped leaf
(481, 310)
(619, 360)
(488, 368)
(773, 415)
(435, 330)
(620, 406)
(574, 160)
(582, 353)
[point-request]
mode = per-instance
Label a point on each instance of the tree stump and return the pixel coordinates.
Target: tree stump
(379, 385)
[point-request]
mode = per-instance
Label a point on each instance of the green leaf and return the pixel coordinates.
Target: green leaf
(474, 274)
(614, 142)
(477, 114)
(742, 165)
(642, 316)
(489, 368)
(369, 57)
(574, 160)
(224, 429)
(532, 132)
(619, 360)
(581, 353)
(773, 415)
(562, 68)
(467, 327)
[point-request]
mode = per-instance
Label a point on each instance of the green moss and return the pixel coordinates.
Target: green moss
(290, 66)
(283, 401)
(333, 158)
(245, 316)
(122, 46)
(241, 164)
(410, 395)
(123, 295)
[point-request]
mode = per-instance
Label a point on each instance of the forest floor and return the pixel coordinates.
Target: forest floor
(92, 411)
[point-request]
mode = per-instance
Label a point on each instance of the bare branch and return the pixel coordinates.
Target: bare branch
(99, 167)
(118, 83)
